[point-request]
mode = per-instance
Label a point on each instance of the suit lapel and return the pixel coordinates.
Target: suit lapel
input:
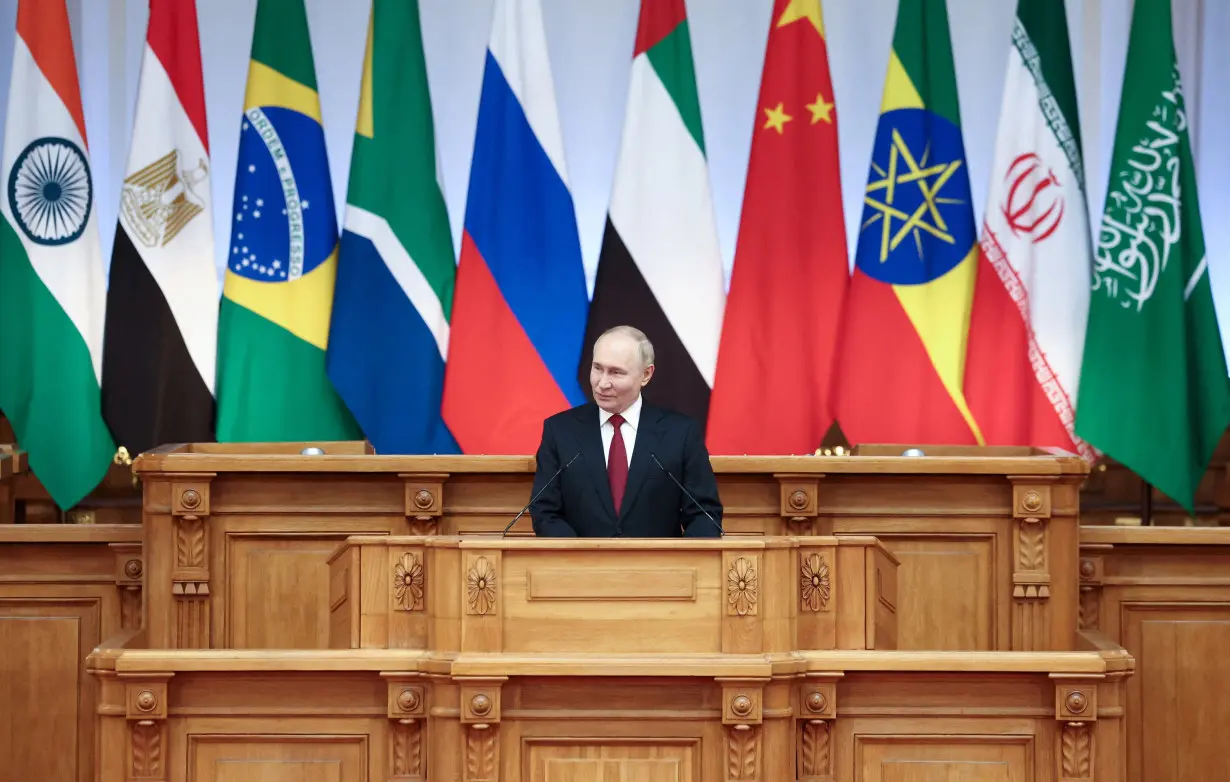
(590, 436)
(647, 435)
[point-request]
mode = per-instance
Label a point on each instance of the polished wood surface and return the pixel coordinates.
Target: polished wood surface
(1164, 595)
(209, 715)
(64, 589)
(12, 462)
(488, 595)
(239, 534)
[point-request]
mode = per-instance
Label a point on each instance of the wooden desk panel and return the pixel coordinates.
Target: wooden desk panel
(986, 537)
(1163, 593)
(64, 590)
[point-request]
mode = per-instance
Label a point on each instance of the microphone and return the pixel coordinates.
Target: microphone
(721, 532)
(539, 494)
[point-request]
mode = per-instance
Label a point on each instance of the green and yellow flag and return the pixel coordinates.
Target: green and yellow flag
(273, 326)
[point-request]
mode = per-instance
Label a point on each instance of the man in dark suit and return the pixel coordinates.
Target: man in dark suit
(611, 485)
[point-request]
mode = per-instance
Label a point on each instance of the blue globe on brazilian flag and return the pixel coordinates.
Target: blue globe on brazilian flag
(282, 259)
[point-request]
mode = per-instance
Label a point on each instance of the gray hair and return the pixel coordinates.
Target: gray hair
(644, 348)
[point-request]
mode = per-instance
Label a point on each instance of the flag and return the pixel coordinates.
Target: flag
(52, 289)
(788, 285)
(660, 266)
(273, 326)
(161, 335)
(389, 336)
(1154, 393)
(902, 353)
(519, 308)
(1031, 297)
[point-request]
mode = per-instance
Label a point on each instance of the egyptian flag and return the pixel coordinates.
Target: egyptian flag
(791, 270)
(660, 267)
(162, 304)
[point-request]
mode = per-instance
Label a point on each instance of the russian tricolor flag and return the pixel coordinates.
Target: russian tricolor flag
(520, 307)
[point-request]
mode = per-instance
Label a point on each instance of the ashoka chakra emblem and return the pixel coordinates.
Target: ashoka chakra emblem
(50, 191)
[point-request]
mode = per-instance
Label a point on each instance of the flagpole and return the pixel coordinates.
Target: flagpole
(1146, 503)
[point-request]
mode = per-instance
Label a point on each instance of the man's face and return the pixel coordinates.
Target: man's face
(616, 376)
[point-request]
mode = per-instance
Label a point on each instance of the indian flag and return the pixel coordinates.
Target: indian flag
(1031, 298)
(52, 290)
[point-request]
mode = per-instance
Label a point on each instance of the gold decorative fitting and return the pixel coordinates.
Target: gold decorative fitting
(408, 582)
(409, 700)
(480, 586)
(133, 569)
(190, 499)
(741, 586)
(423, 499)
(816, 702)
(480, 705)
(122, 456)
(1077, 702)
(798, 499)
(741, 706)
(146, 700)
(814, 582)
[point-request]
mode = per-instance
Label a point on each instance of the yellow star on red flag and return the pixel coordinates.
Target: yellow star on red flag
(803, 9)
(777, 118)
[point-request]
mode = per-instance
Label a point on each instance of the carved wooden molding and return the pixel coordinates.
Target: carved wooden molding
(742, 753)
(1031, 578)
(407, 709)
(742, 702)
(409, 582)
(742, 586)
(424, 501)
(814, 584)
(145, 706)
(814, 755)
(482, 753)
(481, 593)
(190, 577)
(1076, 702)
(1076, 752)
(799, 497)
(1091, 574)
(129, 574)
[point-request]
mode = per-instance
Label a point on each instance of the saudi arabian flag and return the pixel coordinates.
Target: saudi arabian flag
(1154, 393)
(52, 293)
(273, 326)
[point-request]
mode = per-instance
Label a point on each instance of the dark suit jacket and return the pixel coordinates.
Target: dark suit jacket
(579, 504)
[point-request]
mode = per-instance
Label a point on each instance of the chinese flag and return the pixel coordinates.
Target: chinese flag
(775, 361)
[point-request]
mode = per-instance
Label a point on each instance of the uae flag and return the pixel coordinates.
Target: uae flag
(791, 270)
(162, 303)
(660, 268)
(1031, 295)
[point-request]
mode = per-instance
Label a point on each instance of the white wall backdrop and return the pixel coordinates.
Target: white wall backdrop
(590, 47)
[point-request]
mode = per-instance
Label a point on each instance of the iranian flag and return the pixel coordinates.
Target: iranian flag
(1031, 298)
(52, 293)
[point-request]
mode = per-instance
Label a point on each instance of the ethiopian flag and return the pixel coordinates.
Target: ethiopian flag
(902, 353)
(273, 327)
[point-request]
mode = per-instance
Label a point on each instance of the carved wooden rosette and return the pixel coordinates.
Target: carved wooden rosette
(742, 631)
(480, 719)
(407, 730)
(145, 707)
(1031, 578)
(1076, 708)
(816, 709)
(799, 502)
(1091, 573)
(481, 582)
(409, 581)
(743, 715)
(190, 577)
(129, 572)
(424, 505)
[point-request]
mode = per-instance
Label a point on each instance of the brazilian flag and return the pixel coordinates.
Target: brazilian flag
(273, 327)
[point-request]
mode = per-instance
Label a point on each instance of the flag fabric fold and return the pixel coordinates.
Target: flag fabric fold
(52, 287)
(389, 333)
(161, 338)
(660, 266)
(788, 284)
(1154, 393)
(273, 328)
(902, 351)
(520, 302)
(1031, 298)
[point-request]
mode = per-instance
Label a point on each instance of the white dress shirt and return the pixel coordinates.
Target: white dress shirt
(632, 419)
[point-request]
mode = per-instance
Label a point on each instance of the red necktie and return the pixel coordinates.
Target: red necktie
(617, 463)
